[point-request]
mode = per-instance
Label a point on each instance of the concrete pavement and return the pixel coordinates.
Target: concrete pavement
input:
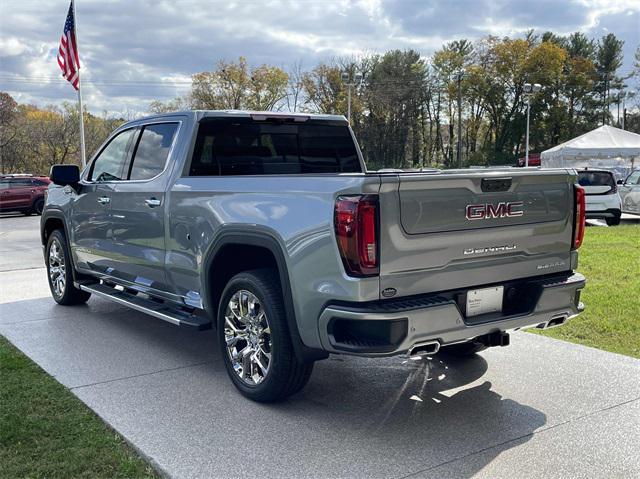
(539, 408)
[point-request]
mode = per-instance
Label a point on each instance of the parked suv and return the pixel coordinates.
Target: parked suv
(269, 228)
(23, 193)
(603, 200)
(629, 189)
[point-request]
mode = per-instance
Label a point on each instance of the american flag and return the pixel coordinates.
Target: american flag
(68, 51)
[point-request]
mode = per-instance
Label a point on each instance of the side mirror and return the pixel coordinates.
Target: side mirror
(64, 175)
(620, 182)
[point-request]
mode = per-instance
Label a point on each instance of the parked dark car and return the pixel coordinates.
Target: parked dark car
(23, 193)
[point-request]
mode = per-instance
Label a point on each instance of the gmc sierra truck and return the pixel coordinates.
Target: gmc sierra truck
(268, 227)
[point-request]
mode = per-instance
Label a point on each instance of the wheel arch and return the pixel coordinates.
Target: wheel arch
(260, 247)
(50, 221)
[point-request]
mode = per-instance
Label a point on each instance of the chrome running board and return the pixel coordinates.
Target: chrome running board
(160, 310)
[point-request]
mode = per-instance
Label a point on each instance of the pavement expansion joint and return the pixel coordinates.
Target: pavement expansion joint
(151, 373)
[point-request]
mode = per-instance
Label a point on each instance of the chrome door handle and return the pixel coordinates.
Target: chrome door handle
(152, 202)
(104, 200)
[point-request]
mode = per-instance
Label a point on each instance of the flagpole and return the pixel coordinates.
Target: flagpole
(82, 150)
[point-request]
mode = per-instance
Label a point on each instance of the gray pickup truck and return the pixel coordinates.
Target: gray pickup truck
(268, 227)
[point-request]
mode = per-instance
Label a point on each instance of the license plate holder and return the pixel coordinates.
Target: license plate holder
(484, 301)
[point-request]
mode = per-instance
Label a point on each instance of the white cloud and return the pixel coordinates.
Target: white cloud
(11, 46)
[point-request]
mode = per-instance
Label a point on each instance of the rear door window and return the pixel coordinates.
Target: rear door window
(152, 151)
(263, 148)
(20, 183)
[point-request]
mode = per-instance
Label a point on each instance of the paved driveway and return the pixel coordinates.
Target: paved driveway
(539, 408)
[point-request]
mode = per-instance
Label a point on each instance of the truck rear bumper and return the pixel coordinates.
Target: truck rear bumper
(386, 328)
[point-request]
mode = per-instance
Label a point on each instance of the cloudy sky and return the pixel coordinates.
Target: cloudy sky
(133, 51)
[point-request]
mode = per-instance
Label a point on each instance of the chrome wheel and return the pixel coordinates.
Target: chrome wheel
(247, 337)
(57, 268)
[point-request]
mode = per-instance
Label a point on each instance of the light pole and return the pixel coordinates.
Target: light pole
(529, 91)
(459, 76)
(346, 78)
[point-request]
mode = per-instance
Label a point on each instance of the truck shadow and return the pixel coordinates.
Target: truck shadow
(433, 410)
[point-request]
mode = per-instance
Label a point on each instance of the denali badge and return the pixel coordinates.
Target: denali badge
(557, 264)
(490, 249)
(501, 210)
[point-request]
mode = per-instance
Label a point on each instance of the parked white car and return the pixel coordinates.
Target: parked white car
(602, 198)
(629, 190)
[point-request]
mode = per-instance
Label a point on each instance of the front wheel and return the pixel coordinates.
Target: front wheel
(255, 341)
(59, 272)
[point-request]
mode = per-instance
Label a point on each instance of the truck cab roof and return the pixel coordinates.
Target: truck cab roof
(255, 115)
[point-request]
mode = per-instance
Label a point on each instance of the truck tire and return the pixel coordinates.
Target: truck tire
(463, 350)
(254, 338)
(60, 272)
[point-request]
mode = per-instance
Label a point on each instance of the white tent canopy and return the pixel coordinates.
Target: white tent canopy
(604, 147)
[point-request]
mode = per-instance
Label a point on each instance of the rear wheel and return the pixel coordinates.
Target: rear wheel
(615, 221)
(254, 338)
(38, 206)
(59, 272)
(463, 350)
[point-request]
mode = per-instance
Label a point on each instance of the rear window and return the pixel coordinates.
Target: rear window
(252, 148)
(20, 183)
(596, 178)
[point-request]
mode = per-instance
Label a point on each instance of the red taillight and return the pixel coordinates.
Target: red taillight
(356, 226)
(579, 217)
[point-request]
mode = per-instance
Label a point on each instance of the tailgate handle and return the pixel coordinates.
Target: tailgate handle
(490, 185)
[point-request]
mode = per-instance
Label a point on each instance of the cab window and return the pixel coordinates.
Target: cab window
(152, 151)
(109, 164)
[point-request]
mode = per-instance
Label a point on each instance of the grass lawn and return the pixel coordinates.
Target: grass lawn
(610, 259)
(45, 431)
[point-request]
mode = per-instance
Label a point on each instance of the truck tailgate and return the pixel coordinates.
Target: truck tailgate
(448, 230)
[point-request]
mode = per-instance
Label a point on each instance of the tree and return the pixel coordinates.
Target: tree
(177, 104)
(53, 135)
(609, 57)
(448, 63)
(393, 96)
(8, 129)
(324, 89)
(234, 86)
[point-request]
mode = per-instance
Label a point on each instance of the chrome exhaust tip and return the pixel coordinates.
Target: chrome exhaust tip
(556, 321)
(422, 349)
